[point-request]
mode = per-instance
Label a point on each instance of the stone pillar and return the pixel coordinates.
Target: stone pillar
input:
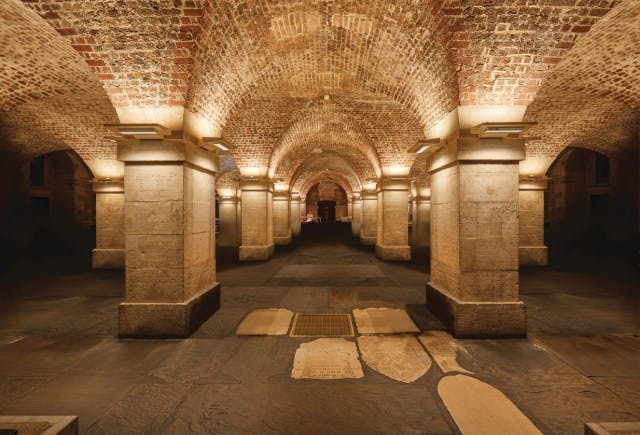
(228, 209)
(257, 219)
(239, 217)
(368, 225)
(356, 215)
(109, 251)
(420, 234)
(170, 279)
(474, 237)
(295, 214)
(282, 218)
(532, 251)
(392, 241)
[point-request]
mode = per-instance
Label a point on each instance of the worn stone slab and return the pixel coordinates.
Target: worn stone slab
(269, 321)
(443, 349)
(398, 357)
(383, 321)
(41, 425)
(327, 358)
(478, 408)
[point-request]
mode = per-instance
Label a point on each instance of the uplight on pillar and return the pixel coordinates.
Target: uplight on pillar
(392, 241)
(109, 251)
(295, 214)
(369, 223)
(281, 217)
(257, 218)
(532, 251)
(356, 214)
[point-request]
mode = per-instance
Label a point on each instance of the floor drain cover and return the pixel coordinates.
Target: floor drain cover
(322, 325)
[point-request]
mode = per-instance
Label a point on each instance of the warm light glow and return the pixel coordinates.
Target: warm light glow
(253, 171)
(199, 127)
(423, 148)
(535, 166)
(445, 128)
(168, 116)
(470, 116)
(394, 171)
(106, 168)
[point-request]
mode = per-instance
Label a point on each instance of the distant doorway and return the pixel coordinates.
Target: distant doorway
(327, 212)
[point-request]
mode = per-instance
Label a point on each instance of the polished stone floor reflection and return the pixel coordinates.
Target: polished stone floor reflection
(59, 353)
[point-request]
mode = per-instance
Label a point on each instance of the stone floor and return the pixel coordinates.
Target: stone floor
(59, 353)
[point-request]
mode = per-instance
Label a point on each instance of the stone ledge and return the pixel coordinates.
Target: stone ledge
(167, 320)
(478, 319)
(393, 253)
(256, 253)
(56, 424)
(368, 240)
(533, 255)
(286, 240)
(612, 428)
(107, 258)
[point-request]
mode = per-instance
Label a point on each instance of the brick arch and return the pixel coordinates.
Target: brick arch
(326, 162)
(302, 48)
(318, 177)
(50, 99)
(591, 99)
(270, 126)
(327, 127)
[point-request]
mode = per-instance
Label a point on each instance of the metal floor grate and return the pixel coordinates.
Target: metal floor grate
(322, 325)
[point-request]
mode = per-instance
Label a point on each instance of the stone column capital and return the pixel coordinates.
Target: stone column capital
(533, 183)
(394, 183)
(473, 149)
(167, 151)
(280, 195)
(422, 199)
(108, 185)
(259, 184)
(369, 194)
(295, 197)
(228, 199)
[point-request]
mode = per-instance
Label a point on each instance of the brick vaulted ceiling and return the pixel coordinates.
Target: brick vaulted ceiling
(361, 80)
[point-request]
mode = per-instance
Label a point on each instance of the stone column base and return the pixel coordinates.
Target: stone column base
(167, 320)
(282, 240)
(478, 319)
(107, 258)
(256, 253)
(391, 253)
(365, 240)
(533, 255)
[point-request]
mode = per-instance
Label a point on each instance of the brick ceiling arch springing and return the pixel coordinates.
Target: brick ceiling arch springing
(49, 99)
(592, 98)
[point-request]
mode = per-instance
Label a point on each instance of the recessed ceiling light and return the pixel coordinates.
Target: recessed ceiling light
(422, 146)
(215, 143)
(140, 131)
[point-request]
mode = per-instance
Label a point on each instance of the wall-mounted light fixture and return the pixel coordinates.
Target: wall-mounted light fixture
(215, 144)
(140, 131)
(501, 129)
(426, 145)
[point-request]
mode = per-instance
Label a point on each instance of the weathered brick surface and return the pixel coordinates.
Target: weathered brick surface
(49, 98)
